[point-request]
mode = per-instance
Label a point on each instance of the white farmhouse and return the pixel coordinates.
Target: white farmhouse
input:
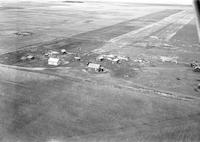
(53, 61)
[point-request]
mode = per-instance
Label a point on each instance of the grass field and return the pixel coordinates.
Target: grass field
(143, 99)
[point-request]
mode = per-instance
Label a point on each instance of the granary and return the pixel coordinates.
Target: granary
(63, 51)
(53, 61)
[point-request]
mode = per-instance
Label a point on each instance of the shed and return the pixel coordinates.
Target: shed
(30, 57)
(77, 58)
(96, 67)
(100, 58)
(116, 60)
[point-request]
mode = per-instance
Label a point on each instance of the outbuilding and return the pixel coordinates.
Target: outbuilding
(30, 57)
(63, 51)
(96, 67)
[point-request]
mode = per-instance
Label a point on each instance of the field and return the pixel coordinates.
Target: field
(151, 95)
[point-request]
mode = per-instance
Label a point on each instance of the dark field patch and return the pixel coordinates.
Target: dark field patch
(73, 1)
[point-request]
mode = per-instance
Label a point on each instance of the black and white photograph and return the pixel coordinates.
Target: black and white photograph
(99, 71)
